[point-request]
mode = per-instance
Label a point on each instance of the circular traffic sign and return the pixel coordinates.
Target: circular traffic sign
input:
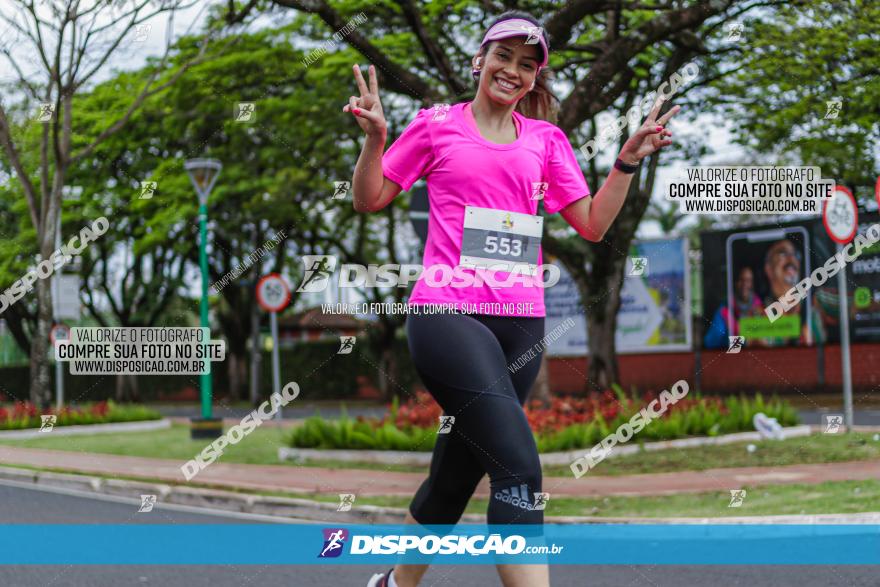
(840, 215)
(273, 295)
(59, 332)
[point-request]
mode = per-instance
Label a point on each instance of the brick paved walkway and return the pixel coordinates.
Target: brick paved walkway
(374, 482)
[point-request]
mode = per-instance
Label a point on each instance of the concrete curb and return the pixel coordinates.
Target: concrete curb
(88, 429)
(288, 507)
(400, 457)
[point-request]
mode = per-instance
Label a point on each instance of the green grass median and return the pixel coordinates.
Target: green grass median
(261, 448)
(833, 497)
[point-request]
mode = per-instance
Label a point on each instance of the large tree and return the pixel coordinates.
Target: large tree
(73, 42)
(606, 53)
(807, 56)
(274, 183)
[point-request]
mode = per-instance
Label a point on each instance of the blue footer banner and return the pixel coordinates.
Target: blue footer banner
(324, 544)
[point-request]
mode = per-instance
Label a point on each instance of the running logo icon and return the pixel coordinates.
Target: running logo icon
(440, 111)
(507, 223)
(318, 269)
(47, 423)
(148, 188)
(734, 31)
(833, 108)
(334, 542)
(539, 188)
(541, 500)
(340, 189)
(147, 503)
(737, 496)
(638, 266)
(141, 32)
(346, 345)
(833, 423)
(346, 500)
(446, 423)
(245, 112)
(47, 109)
(533, 35)
(735, 344)
(532, 32)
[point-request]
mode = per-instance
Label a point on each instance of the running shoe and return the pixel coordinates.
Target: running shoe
(380, 579)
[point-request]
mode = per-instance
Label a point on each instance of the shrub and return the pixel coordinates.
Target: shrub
(568, 423)
(24, 415)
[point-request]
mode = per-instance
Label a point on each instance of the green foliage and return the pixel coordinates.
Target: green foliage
(20, 417)
(622, 396)
(790, 64)
(701, 419)
(344, 433)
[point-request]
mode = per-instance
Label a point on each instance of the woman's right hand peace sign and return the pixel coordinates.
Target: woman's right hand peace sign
(367, 109)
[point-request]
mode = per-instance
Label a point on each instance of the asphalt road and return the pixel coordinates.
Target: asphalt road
(27, 505)
(860, 417)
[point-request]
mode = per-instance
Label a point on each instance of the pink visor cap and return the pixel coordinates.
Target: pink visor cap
(518, 27)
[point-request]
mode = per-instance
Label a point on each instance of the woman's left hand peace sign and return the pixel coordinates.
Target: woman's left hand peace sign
(651, 136)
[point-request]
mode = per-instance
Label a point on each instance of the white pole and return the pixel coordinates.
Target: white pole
(56, 293)
(844, 347)
(276, 367)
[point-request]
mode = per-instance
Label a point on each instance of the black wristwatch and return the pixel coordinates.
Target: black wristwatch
(625, 167)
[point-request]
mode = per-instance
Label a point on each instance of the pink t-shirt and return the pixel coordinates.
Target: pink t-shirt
(464, 169)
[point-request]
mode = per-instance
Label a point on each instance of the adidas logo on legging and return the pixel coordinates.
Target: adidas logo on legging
(515, 496)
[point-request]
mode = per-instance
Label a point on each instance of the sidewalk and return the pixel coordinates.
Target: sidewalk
(288, 478)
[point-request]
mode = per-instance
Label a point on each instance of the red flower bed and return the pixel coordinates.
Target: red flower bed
(423, 412)
(26, 411)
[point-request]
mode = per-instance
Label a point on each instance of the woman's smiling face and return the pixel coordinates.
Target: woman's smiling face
(509, 68)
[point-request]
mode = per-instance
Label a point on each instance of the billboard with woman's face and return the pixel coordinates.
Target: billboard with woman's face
(747, 269)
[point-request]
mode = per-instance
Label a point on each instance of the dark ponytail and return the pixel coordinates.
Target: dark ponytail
(540, 103)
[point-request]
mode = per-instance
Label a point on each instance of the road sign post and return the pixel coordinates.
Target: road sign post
(840, 215)
(273, 295)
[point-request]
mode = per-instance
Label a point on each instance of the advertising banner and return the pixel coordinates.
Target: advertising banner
(751, 269)
(654, 312)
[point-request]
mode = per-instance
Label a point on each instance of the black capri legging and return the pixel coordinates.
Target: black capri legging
(468, 362)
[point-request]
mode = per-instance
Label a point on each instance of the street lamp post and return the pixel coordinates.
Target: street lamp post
(203, 173)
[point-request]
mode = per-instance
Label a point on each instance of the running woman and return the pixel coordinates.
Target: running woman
(488, 163)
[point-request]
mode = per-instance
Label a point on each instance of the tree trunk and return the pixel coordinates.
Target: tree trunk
(256, 356)
(237, 372)
(387, 372)
(16, 319)
(602, 349)
(604, 304)
(40, 394)
(541, 389)
(387, 377)
(126, 389)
